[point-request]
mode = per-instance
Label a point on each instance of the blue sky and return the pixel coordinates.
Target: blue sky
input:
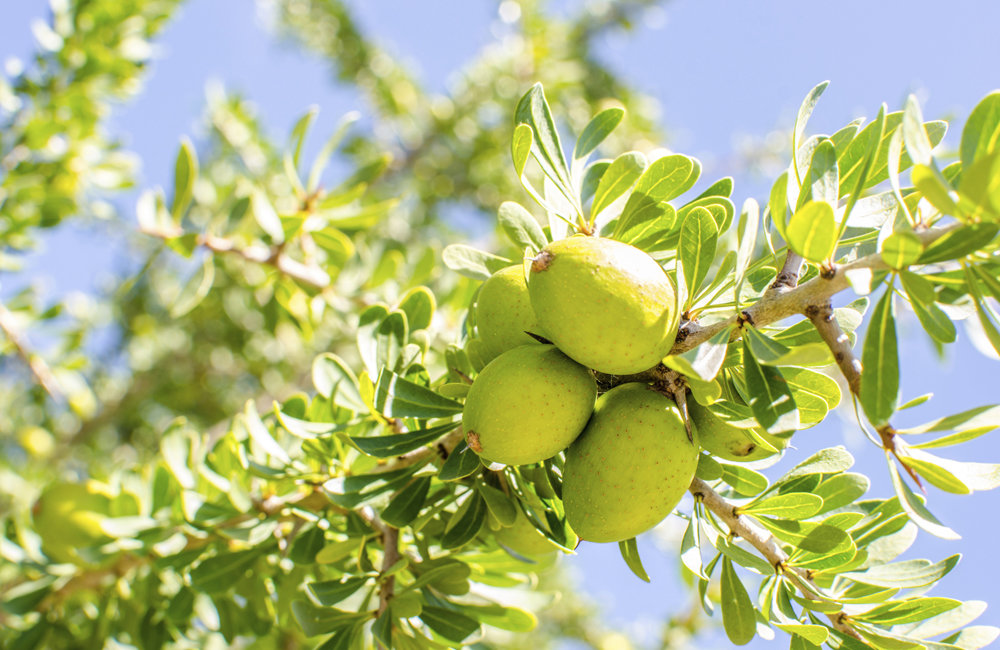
(721, 70)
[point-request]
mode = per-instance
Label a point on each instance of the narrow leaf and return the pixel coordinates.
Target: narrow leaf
(522, 229)
(770, 398)
(738, 616)
(812, 231)
(879, 394)
(599, 128)
(630, 553)
(696, 248)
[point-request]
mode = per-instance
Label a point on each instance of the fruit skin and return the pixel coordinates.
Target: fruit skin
(527, 405)
(68, 518)
(524, 539)
(727, 441)
(504, 313)
(607, 305)
(630, 466)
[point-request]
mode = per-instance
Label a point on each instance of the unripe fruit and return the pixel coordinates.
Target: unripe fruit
(68, 518)
(729, 442)
(524, 539)
(527, 405)
(630, 466)
(504, 313)
(606, 304)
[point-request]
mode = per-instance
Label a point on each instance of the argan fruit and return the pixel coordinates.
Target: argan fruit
(630, 467)
(504, 313)
(68, 518)
(607, 305)
(729, 442)
(524, 539)
(527, 405)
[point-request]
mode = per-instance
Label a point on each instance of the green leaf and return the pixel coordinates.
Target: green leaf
(335, 380)
(777, 204)
(390, 339)
(958, 243)
(534, 111)
(946, 622)
(915, 509)
(879, 393)
(770, 352)
(841, 490)
(933, 319)
(262, 436)
(977, 476)
(406, 505)
(805, 110)
(220, 572)
(195, 290)
(901, 249)
(909, 574)
(520, 147)
(738, 616)
(908, 611)
(973, 419)
(974, 637)
(826, 461)
(620, 176)
(630, 553)
(592, 178)
(982, 130)
(266, 217)
(809, 536)
(323, 620)
(743, 557)
(522, 229)
(933, 186)
(743, 479)
(816, 635)
(331, 144)
(418, 304)
(795, 505)
(460, 463)
(450, 624)
(499, 504)
(665, 178)
(398, 397)
(937, 475)
(466, 523)
(918, 145)
(704, 361)
(812, 231)
(599, 128)
(770, 398)
(511, 619)
(696, 248)
(691, 549)
(472, 263)
(821, 180)
(330, 592)
(746, 237)
(185, 175)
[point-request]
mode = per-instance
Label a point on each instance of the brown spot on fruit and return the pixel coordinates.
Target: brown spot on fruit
(472, 439)
(541, 261)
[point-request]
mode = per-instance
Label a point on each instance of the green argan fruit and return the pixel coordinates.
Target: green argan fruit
(504, 313)
(729, 442)
(68, 518)
(524, 539)
(630, 466)
(606, 304)
(527, 405)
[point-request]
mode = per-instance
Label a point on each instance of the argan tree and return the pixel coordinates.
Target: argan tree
(335, 432)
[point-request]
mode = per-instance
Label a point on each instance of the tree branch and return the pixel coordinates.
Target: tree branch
(767, 546)
(41, 371)
(775, 306)
(259, 254)
(822, 318)
(788, 276)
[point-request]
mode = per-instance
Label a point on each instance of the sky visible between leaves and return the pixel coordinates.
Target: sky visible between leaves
(728, 75)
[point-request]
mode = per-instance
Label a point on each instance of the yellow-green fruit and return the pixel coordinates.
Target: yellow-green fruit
(606, 304)
(68, 517)
(630, 466)
(728, 442)
(504, 313)
(527, 405)
(523, 538)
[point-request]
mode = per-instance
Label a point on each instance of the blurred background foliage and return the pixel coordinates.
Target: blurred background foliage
(256, 259)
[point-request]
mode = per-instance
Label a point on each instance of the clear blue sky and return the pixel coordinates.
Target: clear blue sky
(721, 70)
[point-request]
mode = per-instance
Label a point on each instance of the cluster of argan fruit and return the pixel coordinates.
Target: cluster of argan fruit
(607, 307)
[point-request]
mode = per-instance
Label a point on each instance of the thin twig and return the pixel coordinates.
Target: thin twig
(41, 371)
(259, 254)
(823, 319)
(766, 545)
(777, 306)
